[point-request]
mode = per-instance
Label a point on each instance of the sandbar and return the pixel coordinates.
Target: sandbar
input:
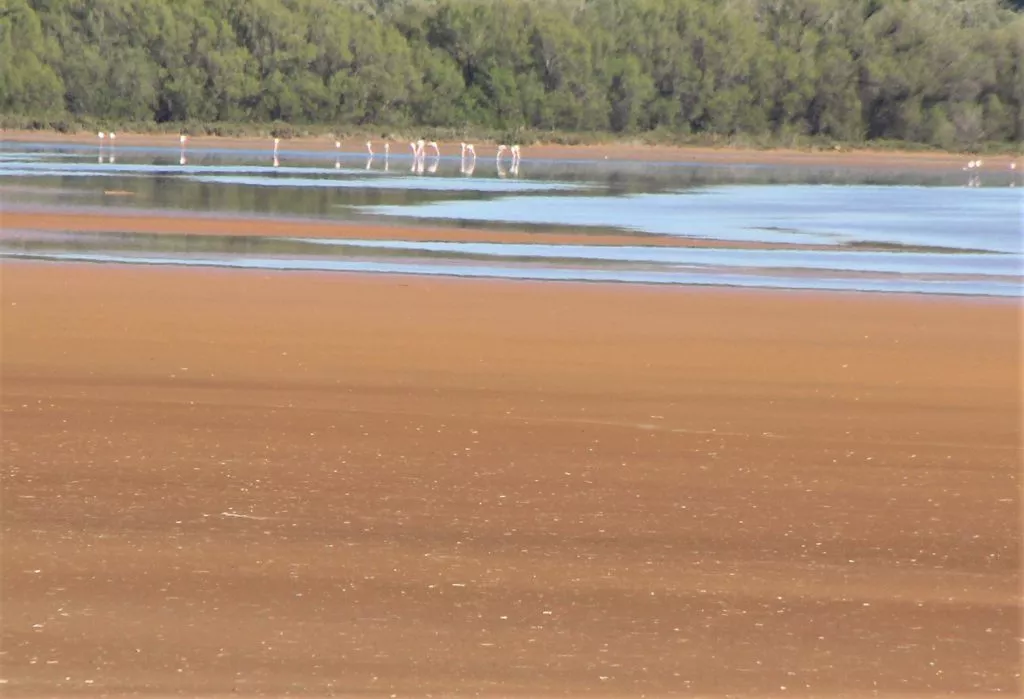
(843, 158)
(111, 220)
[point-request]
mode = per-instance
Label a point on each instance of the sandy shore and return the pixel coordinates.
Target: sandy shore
(927, 160)
(241, 483)
(187, 223)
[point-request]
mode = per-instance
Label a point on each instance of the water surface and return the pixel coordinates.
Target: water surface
(923, 232)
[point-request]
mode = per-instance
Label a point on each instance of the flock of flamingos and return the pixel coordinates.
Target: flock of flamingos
(467, 160)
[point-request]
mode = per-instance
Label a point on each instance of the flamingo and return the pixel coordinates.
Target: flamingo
(501, 149)
(387, 149)
(515, 153)
(112, 137)
(277, 142)
(337, 145)
(437, 151)
(101, 136)
(369, 148)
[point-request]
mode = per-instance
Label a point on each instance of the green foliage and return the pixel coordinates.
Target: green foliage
(944, 73)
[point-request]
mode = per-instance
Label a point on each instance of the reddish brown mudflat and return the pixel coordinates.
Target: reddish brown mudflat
(188, 223)
(226, 483)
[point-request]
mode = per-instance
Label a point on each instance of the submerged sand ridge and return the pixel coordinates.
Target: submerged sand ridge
(372, 485)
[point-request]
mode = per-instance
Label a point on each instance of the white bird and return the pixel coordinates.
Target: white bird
(182, 138)
(112, 135)
(437, 151)
(1013, 165)
(515, 153)
(277, 142)
(470, 149)
(501, 149)
(337, 145)
(387, 149)
(369, 148)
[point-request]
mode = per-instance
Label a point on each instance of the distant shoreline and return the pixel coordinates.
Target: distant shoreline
(822, 157)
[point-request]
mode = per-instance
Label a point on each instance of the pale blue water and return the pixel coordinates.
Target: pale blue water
(983, 219)
(917, 232)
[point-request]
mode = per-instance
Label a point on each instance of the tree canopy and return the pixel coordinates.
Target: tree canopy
(948, 73)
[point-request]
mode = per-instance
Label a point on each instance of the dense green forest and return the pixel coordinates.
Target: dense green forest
(947, 73)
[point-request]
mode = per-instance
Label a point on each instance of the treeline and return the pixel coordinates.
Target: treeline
(948, 73)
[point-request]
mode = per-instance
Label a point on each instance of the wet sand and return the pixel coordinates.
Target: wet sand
(240, 483)
(187, 223)
(862, 158)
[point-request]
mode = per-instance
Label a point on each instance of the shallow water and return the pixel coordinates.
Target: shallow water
(922, 232)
